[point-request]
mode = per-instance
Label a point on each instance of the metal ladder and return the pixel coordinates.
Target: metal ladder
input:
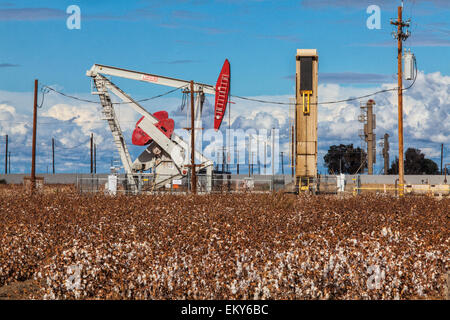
(113, 122)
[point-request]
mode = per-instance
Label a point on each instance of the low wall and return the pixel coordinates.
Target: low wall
(71, 178)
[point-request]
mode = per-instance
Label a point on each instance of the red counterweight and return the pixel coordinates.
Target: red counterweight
(166, 125)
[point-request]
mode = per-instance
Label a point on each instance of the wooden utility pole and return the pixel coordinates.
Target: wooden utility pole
(442, 155)
(252, 161)
(400, 36)
(272, 149)
(193, 173)
(237, 168)
(92, 153)
(265, 155)
(95, 158)
(53, 155)
(370, 137)
(258, 161)
(6, 155)
(33, 150)
(250, 154)
(293, 152)
(386, 153)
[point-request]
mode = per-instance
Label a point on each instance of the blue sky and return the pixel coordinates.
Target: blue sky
(191, 39)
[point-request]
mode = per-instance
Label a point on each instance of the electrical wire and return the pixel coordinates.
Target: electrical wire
(154, 97)
(363, 163)
(245, 98)
(69, 96)
(183, 101)
(70, 148)
(334, 102)
(325, 102)
(118, 103)
(44, 92)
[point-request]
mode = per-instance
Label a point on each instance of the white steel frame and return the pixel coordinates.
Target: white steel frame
(175, 148)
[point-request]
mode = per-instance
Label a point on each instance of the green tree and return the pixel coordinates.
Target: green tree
(394, 167)
(344, 159)
(415, 163)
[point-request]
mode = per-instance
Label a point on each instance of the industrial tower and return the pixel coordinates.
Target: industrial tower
(369, 120)
(307, 65)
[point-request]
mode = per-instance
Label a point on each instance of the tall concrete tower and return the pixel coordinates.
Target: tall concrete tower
(307, 67)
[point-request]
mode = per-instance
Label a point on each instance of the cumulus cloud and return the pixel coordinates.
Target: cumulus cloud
(426, 122)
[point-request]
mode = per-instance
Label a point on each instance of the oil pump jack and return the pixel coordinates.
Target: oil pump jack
(167, 152)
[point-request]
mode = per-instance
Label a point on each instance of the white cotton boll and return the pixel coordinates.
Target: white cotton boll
(233, 287)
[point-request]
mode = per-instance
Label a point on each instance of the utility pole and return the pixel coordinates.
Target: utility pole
(6, 155)
(386, 153)
(265, 155)
(53, 155)
(95, 158)
(258, 162)
(272, 151)
(193, 173)
(442, 156)
(9, 162)
(223, 159)
(92, 154)
(33, 150)
(250, 154)
(282, 163)
(370, 137)
(400, 36)
(293, 152)
(237, 150)
(252, 161)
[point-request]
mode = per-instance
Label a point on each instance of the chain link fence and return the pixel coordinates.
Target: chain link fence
(149, 183)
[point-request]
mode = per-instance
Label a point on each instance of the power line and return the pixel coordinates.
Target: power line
(329, 102)
(77, 146)
(97, 102)
(44, 91)
(154, 97)
(241, 97)
(69, 96)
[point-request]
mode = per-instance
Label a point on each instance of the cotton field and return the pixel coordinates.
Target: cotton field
(224, 246)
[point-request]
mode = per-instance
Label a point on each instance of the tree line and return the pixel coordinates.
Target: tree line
(350, 160)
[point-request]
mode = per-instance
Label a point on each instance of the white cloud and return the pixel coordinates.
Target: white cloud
(426, 121)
